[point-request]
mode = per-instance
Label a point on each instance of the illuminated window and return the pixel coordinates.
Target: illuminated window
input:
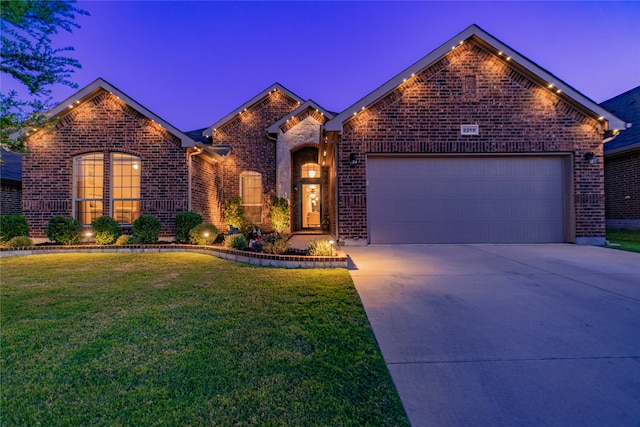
(125, 187)
(311, 170)
(88, 187)
(88, 175)
(251, 194)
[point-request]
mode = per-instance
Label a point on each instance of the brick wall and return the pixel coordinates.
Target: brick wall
(10, 199)
(206, 191)
(622, 183)
(103, 124)
(251, 149)
(470, 86)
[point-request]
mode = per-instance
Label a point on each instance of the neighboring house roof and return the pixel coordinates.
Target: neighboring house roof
(627, 107)
(11, 167)
(302, 108)
(99, 84)
(519, 62)
(208, 132)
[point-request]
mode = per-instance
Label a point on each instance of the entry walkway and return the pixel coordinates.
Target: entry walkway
(301, 241)
(506, 335)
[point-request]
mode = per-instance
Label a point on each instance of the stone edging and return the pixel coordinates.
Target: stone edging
(252, 258)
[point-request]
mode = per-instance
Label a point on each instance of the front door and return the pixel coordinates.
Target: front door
(310, 205)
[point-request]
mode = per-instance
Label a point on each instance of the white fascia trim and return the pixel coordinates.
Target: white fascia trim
(337, 122)
(274, 128)
(276, 86)
(91, 90)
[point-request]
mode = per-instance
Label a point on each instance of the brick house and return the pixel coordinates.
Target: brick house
(10, 182)
(473, 143)
(622, 164)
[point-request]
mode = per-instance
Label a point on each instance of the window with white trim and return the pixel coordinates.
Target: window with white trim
(251, 195)
(89, 197)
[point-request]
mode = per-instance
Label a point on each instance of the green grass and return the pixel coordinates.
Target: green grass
(629, 240)
(186, 339)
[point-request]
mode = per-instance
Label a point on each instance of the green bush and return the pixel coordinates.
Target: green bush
(321, 247)
(19, 241)
(278, 245)
(236, 241)
(147, 228)
(127, 239)
(106, 230)
(203, 234)
(64, 230)
(185, 221)
(234, 212)
(280, 215)
(13, 226)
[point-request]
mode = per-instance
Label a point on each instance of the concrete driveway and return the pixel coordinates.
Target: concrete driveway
(506, 335)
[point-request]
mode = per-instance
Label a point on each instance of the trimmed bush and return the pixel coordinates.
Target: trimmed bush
(126, 239)
(147, 229)
(19, 242)
(234, 212)
(236, 241)
(280, 215)
(321, 247)
(106, 230)
(277, 246)
(13, 226)
(185, 222)
(65, 230)
(203, 234)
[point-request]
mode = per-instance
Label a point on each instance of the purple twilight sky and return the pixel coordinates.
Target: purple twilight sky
(192, 63)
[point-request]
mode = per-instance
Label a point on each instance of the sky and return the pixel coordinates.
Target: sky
(193, 62)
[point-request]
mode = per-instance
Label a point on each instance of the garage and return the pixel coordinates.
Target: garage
(467, 199)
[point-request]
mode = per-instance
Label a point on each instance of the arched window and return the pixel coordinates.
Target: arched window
(88, 187)
(311, 170)
(251, 195)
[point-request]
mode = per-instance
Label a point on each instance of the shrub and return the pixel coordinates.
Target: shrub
(233, 212)
(147, 228)
(278, 245)
(64, 230)
(203, 234)
(19, 241)
(126, 239)
(185, 221)
(106, 229)
(280, 215)
(236, 241)
(321, 247)
(13, 226)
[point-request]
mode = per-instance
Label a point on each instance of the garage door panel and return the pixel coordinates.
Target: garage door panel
(465, 199)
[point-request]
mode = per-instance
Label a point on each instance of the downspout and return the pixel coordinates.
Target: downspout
(197, 151)
(336, 164)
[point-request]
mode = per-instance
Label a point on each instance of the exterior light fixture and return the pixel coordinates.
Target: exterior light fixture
(205, 234)
(88, 234)
(352, 159)
(591, 158)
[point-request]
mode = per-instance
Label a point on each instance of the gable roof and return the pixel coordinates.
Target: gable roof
(309, 104)
(274, 87)
(100, 84)
(627, 107)
(498, 48)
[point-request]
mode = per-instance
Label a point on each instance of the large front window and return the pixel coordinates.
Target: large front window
(251, 195)
(89, 198)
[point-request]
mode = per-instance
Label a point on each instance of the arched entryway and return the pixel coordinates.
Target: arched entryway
(306, 191)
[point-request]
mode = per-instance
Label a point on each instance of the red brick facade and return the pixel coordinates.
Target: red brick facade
(251, 149)
(470, 85)
(622, 178)
(103, 124)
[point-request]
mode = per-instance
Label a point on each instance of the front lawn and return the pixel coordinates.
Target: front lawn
(185, 339)
(629, 240)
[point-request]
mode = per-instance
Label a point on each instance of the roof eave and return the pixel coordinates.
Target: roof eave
(274, 128)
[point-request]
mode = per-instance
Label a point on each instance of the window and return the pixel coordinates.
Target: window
(88, 175)
(125, 187)
(88, 192)
(311, 170)
(251, 194)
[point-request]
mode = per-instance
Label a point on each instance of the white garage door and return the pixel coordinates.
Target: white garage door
(502, 199)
